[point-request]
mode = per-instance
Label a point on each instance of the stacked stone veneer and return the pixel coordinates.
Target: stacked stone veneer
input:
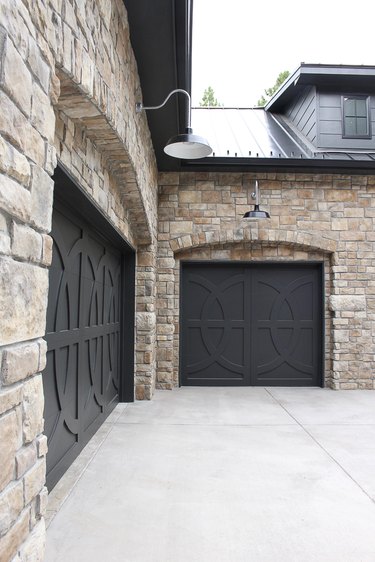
(313, 217)
(68, 87)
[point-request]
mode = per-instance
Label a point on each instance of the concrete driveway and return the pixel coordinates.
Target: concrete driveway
(224, 474)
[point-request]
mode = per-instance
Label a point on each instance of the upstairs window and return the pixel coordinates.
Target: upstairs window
(356, 121)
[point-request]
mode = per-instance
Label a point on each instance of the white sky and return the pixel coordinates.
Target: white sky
(240, 46)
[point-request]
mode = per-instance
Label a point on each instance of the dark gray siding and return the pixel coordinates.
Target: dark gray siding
(330, 124)
(302, 113)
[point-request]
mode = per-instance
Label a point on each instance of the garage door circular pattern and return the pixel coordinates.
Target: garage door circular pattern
(251, 324)
(89, 327)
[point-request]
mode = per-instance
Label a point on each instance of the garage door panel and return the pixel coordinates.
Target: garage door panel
(213, 308)
(253, 323)
(81, 379)
(287, 315)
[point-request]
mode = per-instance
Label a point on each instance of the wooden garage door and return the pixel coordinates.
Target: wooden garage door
(251, 324)
(84, 334)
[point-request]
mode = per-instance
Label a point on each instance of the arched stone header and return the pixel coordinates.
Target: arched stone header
(307, 240)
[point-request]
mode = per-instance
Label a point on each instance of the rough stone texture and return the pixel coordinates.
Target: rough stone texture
(68, 86)
(14, 199)
(313, 217)
(42, 503)
(145, 356)
(146, 321)
(19, 362)
(25, 75)
(42, 445)
(33, 548)
(11, 504)
(42, 196)
(42, 114)
(34, 480)
(26, 243)
(85, 163)
(33, 404)
(25, 459)
(13, 163)
(9, 398)
(23, 300)
(19, 131)
(99, 88)
(338, 303)
(15, 78)
(10, 542)
(10, 439)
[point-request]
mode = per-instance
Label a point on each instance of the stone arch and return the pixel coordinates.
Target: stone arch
(81, 110)
(98, 90)
(304, 240)
(206, 243)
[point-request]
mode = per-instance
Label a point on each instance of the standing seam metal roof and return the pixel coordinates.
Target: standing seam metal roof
(255, 133)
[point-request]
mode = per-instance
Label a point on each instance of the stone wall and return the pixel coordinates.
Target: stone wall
(26, 161)
(107, 146)
(68, 87)
(313, 217)
(88, 166)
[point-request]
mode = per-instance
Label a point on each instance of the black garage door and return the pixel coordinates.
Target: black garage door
(251, 324)
(82, 380)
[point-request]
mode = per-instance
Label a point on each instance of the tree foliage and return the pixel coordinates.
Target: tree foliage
(270, 91)
(209, 99)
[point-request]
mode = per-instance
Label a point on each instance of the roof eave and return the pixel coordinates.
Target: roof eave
(318, 74)
(289, 165)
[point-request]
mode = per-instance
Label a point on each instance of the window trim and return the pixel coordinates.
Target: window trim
(356, 97)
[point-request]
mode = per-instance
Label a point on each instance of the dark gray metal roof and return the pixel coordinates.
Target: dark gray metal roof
(160, 33)
(257, 140)
(245, 133)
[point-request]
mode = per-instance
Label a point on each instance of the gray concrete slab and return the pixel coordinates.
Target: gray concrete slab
(207, 406)
(168, 484)
(322, 406)
(353, 447)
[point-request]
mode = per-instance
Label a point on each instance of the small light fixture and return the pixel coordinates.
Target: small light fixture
(256, 213)
(187, 145)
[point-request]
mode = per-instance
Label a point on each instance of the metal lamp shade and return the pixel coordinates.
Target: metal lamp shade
(187, 146)
(256, 214)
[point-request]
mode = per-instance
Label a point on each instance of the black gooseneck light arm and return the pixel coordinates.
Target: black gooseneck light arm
(140, 107)
(186, 145)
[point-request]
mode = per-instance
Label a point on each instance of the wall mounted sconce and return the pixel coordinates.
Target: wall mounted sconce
(187, 145)
(256, 213)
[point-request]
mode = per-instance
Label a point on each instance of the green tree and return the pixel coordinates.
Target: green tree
(209, 99)
(270, 91)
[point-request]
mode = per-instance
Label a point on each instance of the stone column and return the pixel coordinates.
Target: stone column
(352, 343)
(27, 159)
(145, 322)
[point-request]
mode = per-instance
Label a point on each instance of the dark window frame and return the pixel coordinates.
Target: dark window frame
(368, 135)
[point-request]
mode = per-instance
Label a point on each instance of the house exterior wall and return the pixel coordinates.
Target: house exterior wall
(68, 87)
(330, 122)
(302, 112)
(325, 218)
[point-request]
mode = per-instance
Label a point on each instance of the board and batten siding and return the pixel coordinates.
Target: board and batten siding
(330, 124)
(302, 113)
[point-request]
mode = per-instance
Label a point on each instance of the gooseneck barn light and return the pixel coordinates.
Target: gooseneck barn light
(256, 213)
(186, 146)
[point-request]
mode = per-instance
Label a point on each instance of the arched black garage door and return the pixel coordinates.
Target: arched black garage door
(255, 324)
(91, 298)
